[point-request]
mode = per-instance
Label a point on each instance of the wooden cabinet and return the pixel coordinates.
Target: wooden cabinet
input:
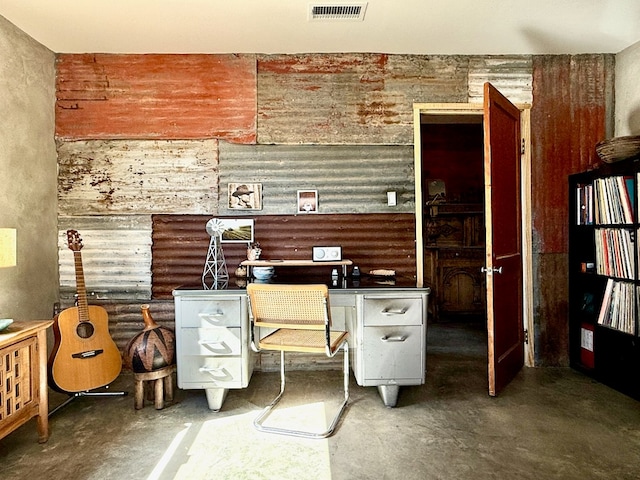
(455, 256)
(603, 275)
(23, 377)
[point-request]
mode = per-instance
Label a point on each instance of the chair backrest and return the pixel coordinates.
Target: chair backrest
(289, 306)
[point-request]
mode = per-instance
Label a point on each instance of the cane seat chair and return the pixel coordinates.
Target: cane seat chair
(299, 320)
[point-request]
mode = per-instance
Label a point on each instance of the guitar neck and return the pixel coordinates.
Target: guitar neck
(83, 306)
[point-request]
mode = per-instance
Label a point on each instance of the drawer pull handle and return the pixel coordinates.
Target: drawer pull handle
(394, 338)
(212, 317)
(220, 348)
(220, 374)
(394, 311)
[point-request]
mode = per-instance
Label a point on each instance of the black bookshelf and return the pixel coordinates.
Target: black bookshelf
(604, 341)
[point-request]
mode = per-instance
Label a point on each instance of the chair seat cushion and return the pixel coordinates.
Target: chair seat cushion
(302, 340)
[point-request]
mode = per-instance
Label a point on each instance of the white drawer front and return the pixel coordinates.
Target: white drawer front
(210, 312)
(210, 372)
(393, 353)
(211, 341)
(393, 311)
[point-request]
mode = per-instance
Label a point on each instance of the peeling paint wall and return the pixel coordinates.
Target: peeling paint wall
(102, 177)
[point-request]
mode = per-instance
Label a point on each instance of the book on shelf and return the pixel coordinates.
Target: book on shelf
(584, 204)
(615, 252)
(618, 306)
(613, 198)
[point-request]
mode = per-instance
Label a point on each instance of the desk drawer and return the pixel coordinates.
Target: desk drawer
(393, 353)
(392, 311)
(211, 341)
(210, 312)
(208, 372)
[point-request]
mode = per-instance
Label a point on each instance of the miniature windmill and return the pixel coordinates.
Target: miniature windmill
(215, 273)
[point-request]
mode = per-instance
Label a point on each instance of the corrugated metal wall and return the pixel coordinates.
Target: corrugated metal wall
(102, 96)
(349, 178)
(338, 123)
(102, 177)
(116, 257)
(571, 112)
(371, 241)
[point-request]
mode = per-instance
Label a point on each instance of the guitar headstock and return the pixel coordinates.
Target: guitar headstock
(74, 241)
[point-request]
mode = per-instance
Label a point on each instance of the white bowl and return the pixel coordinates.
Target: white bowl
(5, 322)
(263, 273)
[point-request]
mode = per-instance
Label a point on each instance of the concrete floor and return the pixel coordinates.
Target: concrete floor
(547, 424)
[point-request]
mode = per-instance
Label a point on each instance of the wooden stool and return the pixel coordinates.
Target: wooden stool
(162, 387)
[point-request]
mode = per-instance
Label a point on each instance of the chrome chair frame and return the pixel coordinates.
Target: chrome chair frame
(287, 324)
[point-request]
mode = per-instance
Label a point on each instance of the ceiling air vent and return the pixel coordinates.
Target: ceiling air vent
(336, 11)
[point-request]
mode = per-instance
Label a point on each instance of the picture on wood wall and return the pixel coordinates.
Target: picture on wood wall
(237, 230)
(307, 201)
(245, 196)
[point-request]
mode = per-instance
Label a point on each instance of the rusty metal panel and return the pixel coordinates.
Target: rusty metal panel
(511, 74)
(349, 179)
(107, 96)
(351, 98)
(372, 241)
(137, 176)
(570, 115)
(552, 342)
(116, 257)
(125, 317)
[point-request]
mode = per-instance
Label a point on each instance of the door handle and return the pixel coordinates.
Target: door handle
(492, 271)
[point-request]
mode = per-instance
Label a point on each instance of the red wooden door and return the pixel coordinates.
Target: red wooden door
(502, 147)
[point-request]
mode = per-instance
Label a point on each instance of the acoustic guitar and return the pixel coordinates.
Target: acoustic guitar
(84, 356)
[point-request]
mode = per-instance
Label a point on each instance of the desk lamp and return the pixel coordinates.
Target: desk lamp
(7, 259)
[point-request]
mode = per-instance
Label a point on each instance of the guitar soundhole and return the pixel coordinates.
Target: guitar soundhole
(85, 330)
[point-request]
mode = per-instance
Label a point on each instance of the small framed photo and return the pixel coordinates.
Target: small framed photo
(245, 196)
(237, 230)
(307, 201)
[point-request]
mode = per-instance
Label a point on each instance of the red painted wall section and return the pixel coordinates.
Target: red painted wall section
(570, 115)
(104, 96)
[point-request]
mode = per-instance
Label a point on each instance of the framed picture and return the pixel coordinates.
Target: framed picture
(307, 201)
(237, 230)
(245, 196)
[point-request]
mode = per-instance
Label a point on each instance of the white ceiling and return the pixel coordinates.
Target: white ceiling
(463, 27)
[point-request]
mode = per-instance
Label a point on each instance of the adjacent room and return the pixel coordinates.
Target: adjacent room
(421, 214)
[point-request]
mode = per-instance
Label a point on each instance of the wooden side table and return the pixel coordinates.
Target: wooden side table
(23, 377)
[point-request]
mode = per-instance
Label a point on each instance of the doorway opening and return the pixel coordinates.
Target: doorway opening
(452, 183)
(450, 226)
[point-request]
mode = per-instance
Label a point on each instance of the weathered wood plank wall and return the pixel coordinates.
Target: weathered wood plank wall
(102, 96)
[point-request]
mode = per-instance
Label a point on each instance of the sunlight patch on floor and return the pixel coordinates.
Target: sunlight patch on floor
(231, 448)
